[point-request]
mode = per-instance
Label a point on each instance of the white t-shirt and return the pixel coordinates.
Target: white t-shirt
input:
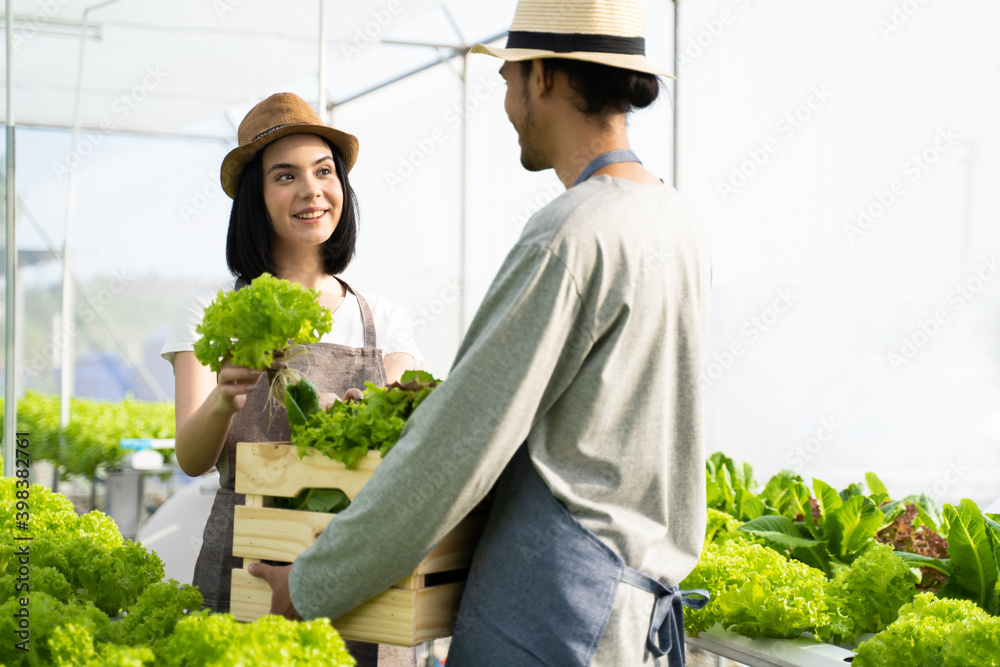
(393, 329)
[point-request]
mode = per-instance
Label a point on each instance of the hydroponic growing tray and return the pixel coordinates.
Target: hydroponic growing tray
(765, 652)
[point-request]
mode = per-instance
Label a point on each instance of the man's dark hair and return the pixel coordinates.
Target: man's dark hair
(603, 89)
(248, 244)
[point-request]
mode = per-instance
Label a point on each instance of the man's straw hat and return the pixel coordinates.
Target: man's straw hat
(611, 32)
(278, 116)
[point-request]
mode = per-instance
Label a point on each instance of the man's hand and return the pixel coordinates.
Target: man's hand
(327, 399)
(277, 578)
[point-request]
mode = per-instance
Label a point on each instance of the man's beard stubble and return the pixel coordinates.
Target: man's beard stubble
(532, 158)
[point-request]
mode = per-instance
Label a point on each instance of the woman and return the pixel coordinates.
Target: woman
(294, 215)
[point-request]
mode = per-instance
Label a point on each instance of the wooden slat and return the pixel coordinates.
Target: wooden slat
(275, 534)
(455, 550)
(437, 607)
(401, 617)
(410, 582)
(252, 500)
(275, 469)
(249, 597)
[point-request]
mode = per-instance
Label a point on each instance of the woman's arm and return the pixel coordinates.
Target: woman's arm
(398, 362)
(204, 409)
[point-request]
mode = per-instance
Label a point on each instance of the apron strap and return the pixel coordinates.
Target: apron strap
(662, 623)
(604, 159)
(366, 317)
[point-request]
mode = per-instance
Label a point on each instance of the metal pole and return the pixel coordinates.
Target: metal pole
(321, 70)
(677, 60)
(68, 324)
(10, 390)
(462, 287)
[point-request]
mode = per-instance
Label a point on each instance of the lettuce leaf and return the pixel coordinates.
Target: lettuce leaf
(756, 592)
(218, 640)
(973, 546)
(870, 592)
(934, 633)
(250, 324)
(347, 431)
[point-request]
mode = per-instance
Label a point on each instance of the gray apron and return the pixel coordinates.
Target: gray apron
(332, 368)
(542, 585)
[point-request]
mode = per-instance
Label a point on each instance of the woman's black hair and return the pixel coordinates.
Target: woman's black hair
(248, 243)
(603, 89)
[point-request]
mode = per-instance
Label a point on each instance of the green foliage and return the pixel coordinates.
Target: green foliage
(151, 620)
(721, 527)
(347, 431)
(301, 401)
(73, 646)
(46, 614)
(217, 640)
(842, 527)
(974, 548)
(250, 324)
(756, 592)
(86, 553)
(94, 432)
(870, 592)
(935, 633)
(97, 427)
(730, 487)
(315, 500)
(83, 572)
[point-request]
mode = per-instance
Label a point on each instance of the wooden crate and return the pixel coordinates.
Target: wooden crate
(414, 610)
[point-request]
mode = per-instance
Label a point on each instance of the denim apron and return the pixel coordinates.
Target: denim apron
(542, 585)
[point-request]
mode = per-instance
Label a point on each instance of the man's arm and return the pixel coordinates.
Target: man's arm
(523, 348)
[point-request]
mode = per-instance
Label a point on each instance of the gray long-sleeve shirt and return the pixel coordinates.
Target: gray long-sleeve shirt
(588, 346)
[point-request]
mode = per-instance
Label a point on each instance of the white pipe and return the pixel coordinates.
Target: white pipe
(10, 388)
(463, 164)
(677, 21)
(321, 70)
(67, 331)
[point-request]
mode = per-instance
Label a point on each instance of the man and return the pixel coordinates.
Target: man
(586, 350)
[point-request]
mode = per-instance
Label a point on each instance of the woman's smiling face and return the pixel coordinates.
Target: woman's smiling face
(302, 192)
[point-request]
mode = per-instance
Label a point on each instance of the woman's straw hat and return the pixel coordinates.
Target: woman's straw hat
(611, 32)
(278, 116)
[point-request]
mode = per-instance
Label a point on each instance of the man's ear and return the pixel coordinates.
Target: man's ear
(542, 77)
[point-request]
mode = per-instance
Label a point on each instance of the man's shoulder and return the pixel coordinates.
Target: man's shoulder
(602, 207)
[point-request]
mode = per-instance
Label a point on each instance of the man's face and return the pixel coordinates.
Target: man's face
(520, 109)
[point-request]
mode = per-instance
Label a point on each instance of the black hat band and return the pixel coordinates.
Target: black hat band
(576, 42)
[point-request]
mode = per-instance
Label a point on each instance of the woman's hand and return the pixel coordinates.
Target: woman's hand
(235, 382)
(327, 399)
